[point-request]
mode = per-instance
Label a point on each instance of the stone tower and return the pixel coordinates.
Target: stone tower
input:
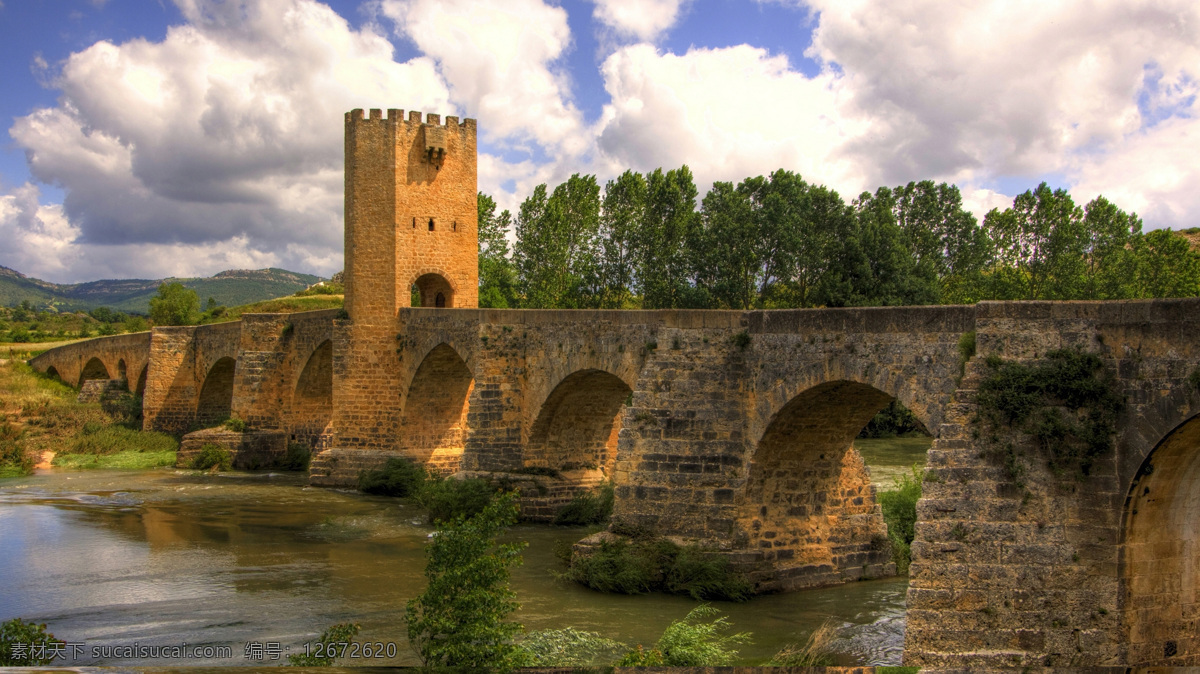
(411, 214)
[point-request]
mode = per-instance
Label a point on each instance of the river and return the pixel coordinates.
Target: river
(165, 557)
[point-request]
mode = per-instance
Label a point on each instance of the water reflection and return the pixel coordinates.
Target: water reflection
(166, 558)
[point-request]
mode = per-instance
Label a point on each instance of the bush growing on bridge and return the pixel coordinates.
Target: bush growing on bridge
(1066, 402)
(900, 512)
(397, 477)
(589, 507)
(459, 621)
(212, 455)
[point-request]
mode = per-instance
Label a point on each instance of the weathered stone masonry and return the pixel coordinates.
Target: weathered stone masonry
(732, 429)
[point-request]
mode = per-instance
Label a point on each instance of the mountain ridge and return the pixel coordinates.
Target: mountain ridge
(230, 287)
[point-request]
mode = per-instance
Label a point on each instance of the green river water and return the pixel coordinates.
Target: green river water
(166, 557)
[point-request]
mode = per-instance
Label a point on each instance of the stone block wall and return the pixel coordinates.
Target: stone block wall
(251, 450)
(118, 356)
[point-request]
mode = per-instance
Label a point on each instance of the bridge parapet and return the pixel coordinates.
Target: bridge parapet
(113, 357)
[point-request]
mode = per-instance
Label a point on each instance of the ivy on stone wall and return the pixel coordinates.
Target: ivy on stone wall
(1066, 403)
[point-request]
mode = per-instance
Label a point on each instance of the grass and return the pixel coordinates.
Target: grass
(658, 565)
(281, 305)
(817, 650)
(39, 414)
(890, 458)
(900, 512)
(590, 507)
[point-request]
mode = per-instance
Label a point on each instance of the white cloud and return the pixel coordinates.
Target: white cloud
(643, 20)
(728, 113)
(223, 137)
(501, 60)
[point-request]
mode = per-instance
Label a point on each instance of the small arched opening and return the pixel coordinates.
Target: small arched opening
(433, 428)
(52, 372)
(577, 427)
(1160, 575)
(808, 506)
(121, 370)
(432, 290)
(312, 404)
(216, 396)
(94, 369)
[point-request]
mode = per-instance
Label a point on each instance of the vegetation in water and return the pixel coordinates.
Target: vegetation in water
(18, 640)
(658, 565)
(900, 512)
(816, 652)
(212, 456)
(461, 620)
(332, 641)
(588, 507)
(397, 477)
(569, 647)
(448, 499)
(297, 458)
(693, 641)
(1066, 403)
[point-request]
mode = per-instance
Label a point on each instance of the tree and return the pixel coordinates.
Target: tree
(459, 620)
(175, 305)
(556, 238)
(1166, 266)
(670, 220)
(623, 210)
(497, 276)
(724, 249)
(1110, 262)
(1038, 246)
(19, 641)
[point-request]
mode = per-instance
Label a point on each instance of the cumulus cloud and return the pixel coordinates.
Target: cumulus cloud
(644, 20)
(224, 136)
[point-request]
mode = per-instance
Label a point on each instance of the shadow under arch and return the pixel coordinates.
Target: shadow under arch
(52, 372)
(312, 400)
(141, 381)
(808, 508)
(1160, 553)
(577, 426)
(94, 369)
(122, 371)
(433, 425)
(434, 291)
(216, 396)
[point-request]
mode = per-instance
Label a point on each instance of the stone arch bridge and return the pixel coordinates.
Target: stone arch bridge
(734, 429)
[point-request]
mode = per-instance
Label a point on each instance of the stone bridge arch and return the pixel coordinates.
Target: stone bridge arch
(312, 395)
(807, 508)
(93, 369)
(434, 417)
(435, 289)
(577, 425)
(215, 402)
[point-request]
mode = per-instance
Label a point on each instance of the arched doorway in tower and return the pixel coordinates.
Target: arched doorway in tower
(216, 395)
(312, 402)
(432, 290)
(808, 507)
(576, 429)
(94, 369)
(433, 427)
(1160, 569)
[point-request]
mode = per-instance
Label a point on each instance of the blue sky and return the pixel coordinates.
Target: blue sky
(183, 137)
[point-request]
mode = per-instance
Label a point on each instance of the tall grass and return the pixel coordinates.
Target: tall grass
(900, 512)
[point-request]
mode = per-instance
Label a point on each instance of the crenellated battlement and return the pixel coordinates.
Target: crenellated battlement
(396, 116)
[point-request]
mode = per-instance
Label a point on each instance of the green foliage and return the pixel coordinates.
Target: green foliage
(1066, 403)
(966, 348)
(895, 420)
(324, 288)
(26, 634)
(449, 499)
(497, 274)
(656, 564)
(175, 305)
(332, 641)
(691, 642)
(741, 340)
(590, 507)
(899, 506)
(397, 477)
(212, 455)
(234, 424)
(101, 440)
(569, 647)
(459, 620)
(14, 460)
(297, 458)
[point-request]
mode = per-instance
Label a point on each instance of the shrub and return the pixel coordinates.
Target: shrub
(397, 477)
(741, 340)
(900, 512)
(448, 500)
(590, 507)
(100, 440)
(691, 642)
(14, 461)
(459, 621)
(212, 455)
(569, 647)
(17, 639)
(297, 458)
(234, 424)
(328, 648)
(656, 564)
(892, 421)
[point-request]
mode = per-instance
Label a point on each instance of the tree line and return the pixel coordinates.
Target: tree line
(781, 242)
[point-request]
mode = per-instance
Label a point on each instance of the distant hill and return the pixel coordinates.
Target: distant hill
(230, 288)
